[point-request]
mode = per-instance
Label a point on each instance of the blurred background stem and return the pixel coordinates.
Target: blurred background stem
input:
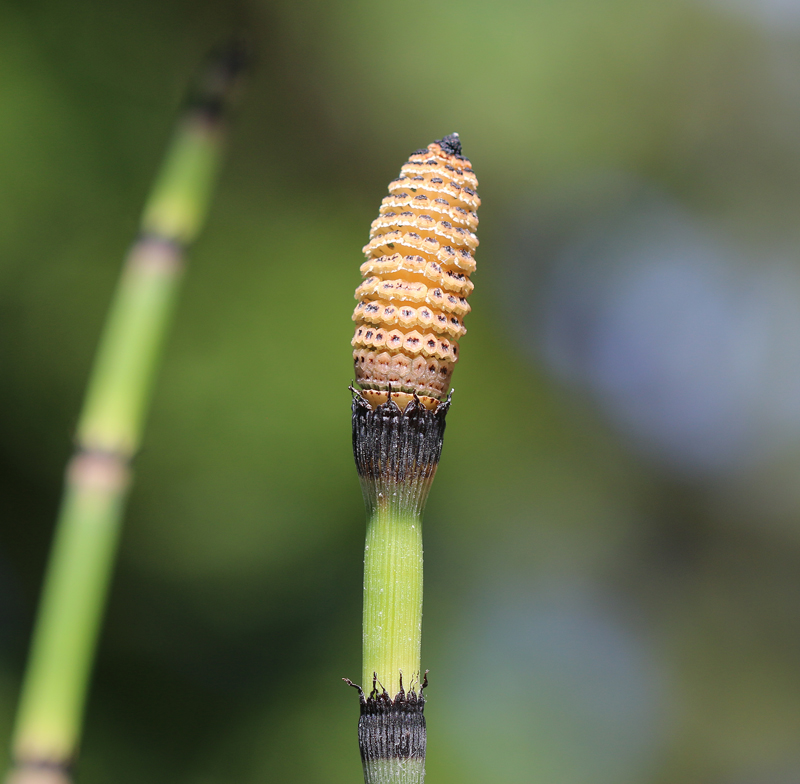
(50, 713)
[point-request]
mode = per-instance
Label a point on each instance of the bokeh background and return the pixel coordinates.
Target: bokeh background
(613, 539)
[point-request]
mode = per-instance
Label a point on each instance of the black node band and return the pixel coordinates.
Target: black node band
(394, 445)
(392, 728)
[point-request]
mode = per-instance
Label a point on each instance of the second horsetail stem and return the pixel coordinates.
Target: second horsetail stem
(409, 319)
(50, 714)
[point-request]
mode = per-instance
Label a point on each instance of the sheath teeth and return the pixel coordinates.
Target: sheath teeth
(420, 254)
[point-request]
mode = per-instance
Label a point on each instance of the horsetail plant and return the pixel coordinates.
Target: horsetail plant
(98, 477)
(408, 321)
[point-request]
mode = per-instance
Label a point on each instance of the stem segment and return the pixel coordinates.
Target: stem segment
(396, 455)
(50, 713)
(392, 598)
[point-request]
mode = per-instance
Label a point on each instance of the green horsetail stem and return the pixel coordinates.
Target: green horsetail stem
(50, 713)
(396, 455)
(396, 452)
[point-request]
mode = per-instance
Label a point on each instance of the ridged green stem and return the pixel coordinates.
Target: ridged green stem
(392, 598)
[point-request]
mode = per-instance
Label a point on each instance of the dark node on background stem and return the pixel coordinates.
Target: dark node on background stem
(156, 244)
(397, 446)
(40, 771)
(211, 92)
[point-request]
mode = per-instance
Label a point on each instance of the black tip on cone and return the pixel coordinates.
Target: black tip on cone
(451, 144)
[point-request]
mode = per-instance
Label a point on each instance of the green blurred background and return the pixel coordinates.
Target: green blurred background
(613, 540)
